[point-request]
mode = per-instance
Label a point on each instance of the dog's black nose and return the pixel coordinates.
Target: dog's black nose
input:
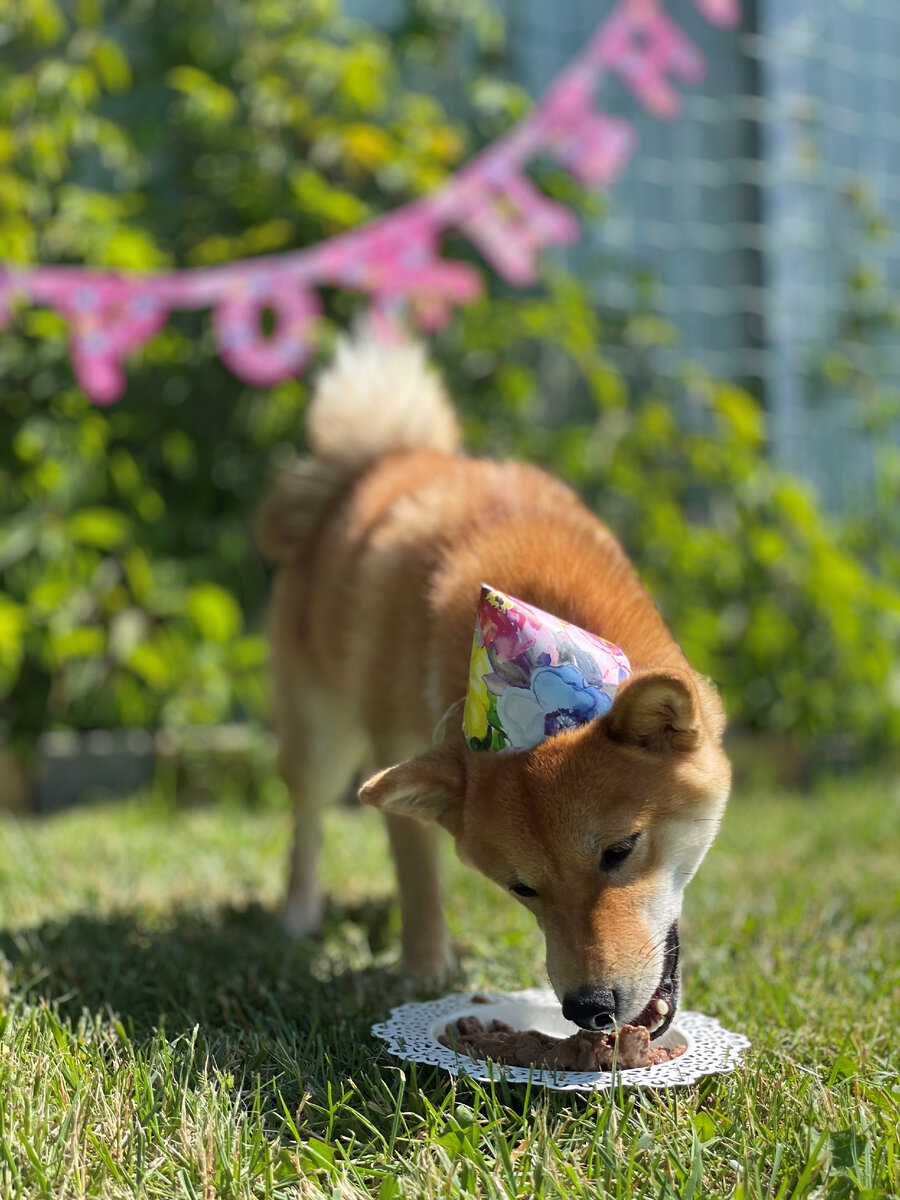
(591, 1008)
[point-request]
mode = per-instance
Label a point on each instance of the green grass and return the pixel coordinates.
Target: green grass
(160, 1037)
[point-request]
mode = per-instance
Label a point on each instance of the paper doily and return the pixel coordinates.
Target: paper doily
(411, 1032)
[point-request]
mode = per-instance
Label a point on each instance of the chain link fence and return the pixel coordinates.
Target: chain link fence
(755, 209)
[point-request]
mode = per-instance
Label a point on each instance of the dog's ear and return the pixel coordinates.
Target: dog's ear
(431, 787)
(658, 711)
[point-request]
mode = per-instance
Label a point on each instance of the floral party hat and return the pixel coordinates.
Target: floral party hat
(533, 675)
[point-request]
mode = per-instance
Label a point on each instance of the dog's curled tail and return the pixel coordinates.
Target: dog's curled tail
(374, 399)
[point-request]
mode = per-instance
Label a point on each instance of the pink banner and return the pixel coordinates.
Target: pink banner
(645, 46)
(396, 259)
(720, 12)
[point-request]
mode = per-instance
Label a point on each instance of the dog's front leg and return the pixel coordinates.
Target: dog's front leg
(426, 947)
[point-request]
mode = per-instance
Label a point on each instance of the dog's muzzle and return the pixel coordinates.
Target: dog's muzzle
(660, 1011)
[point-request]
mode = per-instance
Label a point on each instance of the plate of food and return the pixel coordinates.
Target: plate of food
(523, 1037)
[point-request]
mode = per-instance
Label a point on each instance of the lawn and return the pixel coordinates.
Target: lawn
(160, 1037)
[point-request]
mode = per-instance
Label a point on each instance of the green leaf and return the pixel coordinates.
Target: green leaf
(389, 1189)
(104, 528)
(47, 21)
(743, 414)
(317, 1155)
(847, 1148)
(110, 63)
(87, 641)
(150, 663)
(843, 1067)
(213, 101)
(705, 1126)
(13, 620)
(215, 613)
(248, 653)
(17, 540)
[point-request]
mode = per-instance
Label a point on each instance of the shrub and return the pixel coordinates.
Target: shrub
(762, 591)
(184, 133)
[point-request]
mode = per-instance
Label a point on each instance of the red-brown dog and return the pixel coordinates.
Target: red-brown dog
(385, 536)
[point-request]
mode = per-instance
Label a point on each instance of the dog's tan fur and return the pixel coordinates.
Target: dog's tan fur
(384, 537)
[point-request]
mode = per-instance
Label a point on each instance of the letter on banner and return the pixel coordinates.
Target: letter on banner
(510, 222)
(593, 147)
(397, 262)
(108, 316)
(643, 45)
(590, 145)
(107, 322)
(411, 266)
(264, 359)
(720, 12)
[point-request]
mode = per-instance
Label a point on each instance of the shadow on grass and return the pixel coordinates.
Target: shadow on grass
(263, 1003)
(267, 1009)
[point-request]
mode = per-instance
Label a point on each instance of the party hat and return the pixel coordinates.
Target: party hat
(533, 675)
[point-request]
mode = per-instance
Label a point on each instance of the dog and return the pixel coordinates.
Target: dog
(384, 538)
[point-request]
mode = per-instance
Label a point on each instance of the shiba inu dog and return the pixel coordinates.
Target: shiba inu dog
(385, 538)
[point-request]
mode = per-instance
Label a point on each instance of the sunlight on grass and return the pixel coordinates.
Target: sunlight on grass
(160, 1036)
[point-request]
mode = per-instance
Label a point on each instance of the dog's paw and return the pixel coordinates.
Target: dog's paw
(429, 967)
(301, 920)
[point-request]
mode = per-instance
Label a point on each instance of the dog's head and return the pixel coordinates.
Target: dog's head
(597, 831)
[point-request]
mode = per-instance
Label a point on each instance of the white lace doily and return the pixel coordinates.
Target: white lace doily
(411, 1032)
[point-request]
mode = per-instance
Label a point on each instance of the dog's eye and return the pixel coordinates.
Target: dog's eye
(522, 889)
(614, 856)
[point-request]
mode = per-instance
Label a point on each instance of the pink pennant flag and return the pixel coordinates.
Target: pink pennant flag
(720, 12)
(510, 222)
(593, 147)
(263, 359)
(400, 261)
(396, 259)
(599, 150)
(109, 317)
(7, 290)
(643, 45)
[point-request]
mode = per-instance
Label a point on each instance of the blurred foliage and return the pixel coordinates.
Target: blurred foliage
(859, 370)
(148, 133)
(764, 596)
(143, 135)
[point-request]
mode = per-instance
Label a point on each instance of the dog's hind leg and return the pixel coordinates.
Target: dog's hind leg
(320, 752)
